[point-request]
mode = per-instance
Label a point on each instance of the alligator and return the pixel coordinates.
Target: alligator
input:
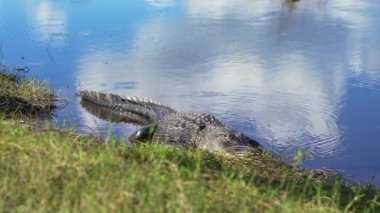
(162, 124)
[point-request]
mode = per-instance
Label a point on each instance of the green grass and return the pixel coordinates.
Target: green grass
(50, 170)
(19, 95)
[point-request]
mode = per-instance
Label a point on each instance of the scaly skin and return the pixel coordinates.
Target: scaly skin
(186, 130)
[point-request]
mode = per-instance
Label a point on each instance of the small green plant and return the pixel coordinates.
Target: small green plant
(300, 156)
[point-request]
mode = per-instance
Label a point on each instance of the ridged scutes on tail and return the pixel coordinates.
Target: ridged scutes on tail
(144, 107)
(115, 116)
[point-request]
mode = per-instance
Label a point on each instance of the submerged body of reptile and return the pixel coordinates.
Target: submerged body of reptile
(163, 124)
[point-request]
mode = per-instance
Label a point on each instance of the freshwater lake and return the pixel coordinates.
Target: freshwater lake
(293, 76)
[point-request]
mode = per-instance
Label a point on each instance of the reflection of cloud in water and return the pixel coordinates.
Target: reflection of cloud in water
(351, 12)
(363, 57)
(288, 107)
(106, 71)
(51, 23)
(224, 8)
(160, 3)
(292, 98)
(292, 107)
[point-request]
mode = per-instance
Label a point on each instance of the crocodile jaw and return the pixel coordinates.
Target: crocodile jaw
(226, 140)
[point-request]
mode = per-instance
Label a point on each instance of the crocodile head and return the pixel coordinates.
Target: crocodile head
(227, 140)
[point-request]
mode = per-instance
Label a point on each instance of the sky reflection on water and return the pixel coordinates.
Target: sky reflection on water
(303, 76)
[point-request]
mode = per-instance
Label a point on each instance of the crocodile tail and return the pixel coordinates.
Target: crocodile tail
(149, 109)
(115, 116)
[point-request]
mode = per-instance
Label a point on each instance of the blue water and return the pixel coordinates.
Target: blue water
(302, 76)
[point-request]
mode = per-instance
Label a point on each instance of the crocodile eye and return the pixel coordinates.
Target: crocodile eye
(224, 135)
(202, 126)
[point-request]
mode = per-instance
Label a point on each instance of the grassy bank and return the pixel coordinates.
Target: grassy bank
(43, 169)
(49, 170)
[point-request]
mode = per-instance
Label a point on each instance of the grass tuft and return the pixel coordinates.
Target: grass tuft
(24, 96)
